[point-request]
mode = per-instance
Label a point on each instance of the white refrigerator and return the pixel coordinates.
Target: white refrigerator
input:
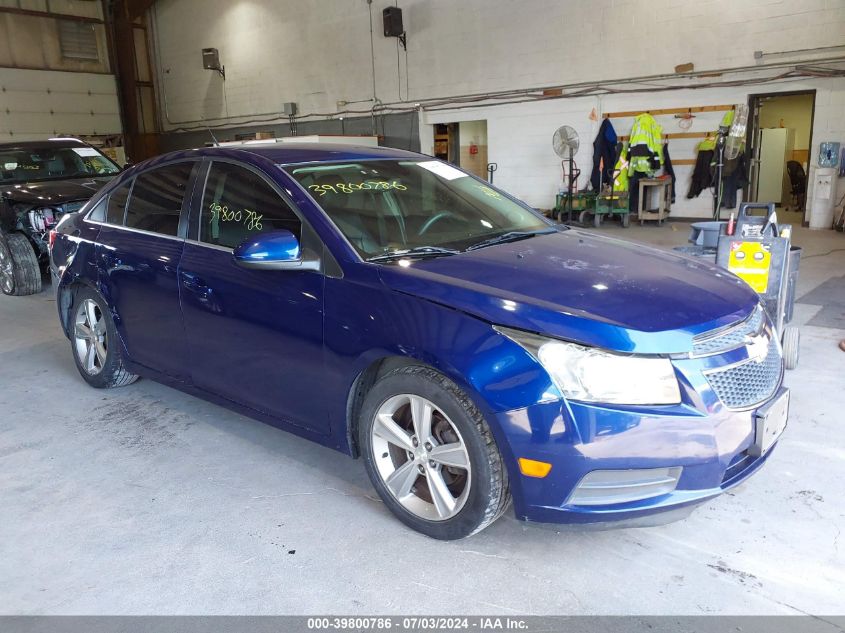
(776, 146)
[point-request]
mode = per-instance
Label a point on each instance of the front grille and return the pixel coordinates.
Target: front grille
(749, 383)
(735, 336)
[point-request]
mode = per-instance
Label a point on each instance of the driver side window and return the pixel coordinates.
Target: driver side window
(238, 203)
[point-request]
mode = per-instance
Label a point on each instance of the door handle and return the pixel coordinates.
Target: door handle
(204, 294)
(195, 284)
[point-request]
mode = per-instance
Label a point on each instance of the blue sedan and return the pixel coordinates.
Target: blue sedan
(396, 308)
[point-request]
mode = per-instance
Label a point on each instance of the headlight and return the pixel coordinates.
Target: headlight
(593, 375)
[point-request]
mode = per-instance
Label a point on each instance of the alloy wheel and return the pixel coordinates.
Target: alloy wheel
(421, 457)
(7, 271)
(89, 335)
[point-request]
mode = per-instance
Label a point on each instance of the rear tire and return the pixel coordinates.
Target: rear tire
(95, 343)
(430, 454)
(20, 273)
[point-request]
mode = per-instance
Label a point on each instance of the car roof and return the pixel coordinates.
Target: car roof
(53, 142)
(289, 153)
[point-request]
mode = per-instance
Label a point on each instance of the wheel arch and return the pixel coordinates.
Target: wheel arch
(377, 366)
(8, 220)
(65, 292)
(64, 299)
(361, 386)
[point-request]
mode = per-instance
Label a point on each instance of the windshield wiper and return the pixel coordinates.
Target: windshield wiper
(417, 251)
(510, 236)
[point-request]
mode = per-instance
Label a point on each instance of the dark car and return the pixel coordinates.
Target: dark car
(40, 181)
(389, 305)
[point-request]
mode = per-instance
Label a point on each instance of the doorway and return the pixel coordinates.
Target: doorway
(463, 144)
(779, 135)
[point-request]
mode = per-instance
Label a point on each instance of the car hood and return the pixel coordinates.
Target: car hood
(583, 287)
(51, 192)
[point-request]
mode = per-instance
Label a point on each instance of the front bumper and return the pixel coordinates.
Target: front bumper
(712, 449)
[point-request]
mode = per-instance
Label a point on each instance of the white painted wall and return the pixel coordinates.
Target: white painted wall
(519, 136)
(318, 53)
(273, 51)
(37, 104)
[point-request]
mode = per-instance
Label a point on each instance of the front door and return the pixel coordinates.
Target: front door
(138, 251)
(255, 336)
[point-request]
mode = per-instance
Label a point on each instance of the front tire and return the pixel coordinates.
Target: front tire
(20, 273)
(95, 344)
(430, 454)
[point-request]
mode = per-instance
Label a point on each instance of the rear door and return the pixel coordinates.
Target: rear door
(255, 336)
(139, 247)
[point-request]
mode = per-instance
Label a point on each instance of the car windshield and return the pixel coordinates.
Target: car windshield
(21, 165)
(420, 208)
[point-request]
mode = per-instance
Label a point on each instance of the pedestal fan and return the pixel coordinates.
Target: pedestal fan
(565, 144)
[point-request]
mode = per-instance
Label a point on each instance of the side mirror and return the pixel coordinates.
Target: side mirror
(276, 250)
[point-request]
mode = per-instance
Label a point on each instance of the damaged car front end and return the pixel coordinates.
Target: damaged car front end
(41, 182)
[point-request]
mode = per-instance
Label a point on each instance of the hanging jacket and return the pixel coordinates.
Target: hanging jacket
(604, 155)
(702, 174)
(709, 143)
(620, 170)
(668, 169)
(645, 147)
(734, 178)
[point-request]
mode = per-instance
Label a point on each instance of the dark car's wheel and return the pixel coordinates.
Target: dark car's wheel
(430, 454)
(20, 273)
(96, 349)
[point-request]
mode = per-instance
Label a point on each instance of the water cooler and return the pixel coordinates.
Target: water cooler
(824, 197)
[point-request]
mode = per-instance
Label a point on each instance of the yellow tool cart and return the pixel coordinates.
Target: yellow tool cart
(760, 252)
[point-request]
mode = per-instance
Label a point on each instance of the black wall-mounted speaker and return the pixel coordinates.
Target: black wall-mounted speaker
(392, 17)
(210, 59)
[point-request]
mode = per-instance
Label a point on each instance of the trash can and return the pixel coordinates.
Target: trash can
(706, 234)
(702, 252)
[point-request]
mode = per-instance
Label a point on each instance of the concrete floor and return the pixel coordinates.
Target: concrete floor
(143, 500)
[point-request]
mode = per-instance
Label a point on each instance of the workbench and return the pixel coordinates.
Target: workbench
(645, 212)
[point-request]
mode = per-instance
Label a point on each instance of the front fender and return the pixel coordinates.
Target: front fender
(496, 373)
(8, 220)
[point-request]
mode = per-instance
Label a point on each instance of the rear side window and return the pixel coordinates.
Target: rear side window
(239, 203)
(156, 200)
(117, 204)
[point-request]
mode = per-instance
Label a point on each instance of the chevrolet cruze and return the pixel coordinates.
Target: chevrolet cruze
(396, 308)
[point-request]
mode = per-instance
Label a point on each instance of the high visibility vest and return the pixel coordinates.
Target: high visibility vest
(620, 170)
(645, 145)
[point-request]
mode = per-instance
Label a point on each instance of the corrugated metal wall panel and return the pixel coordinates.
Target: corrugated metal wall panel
(39, 103)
